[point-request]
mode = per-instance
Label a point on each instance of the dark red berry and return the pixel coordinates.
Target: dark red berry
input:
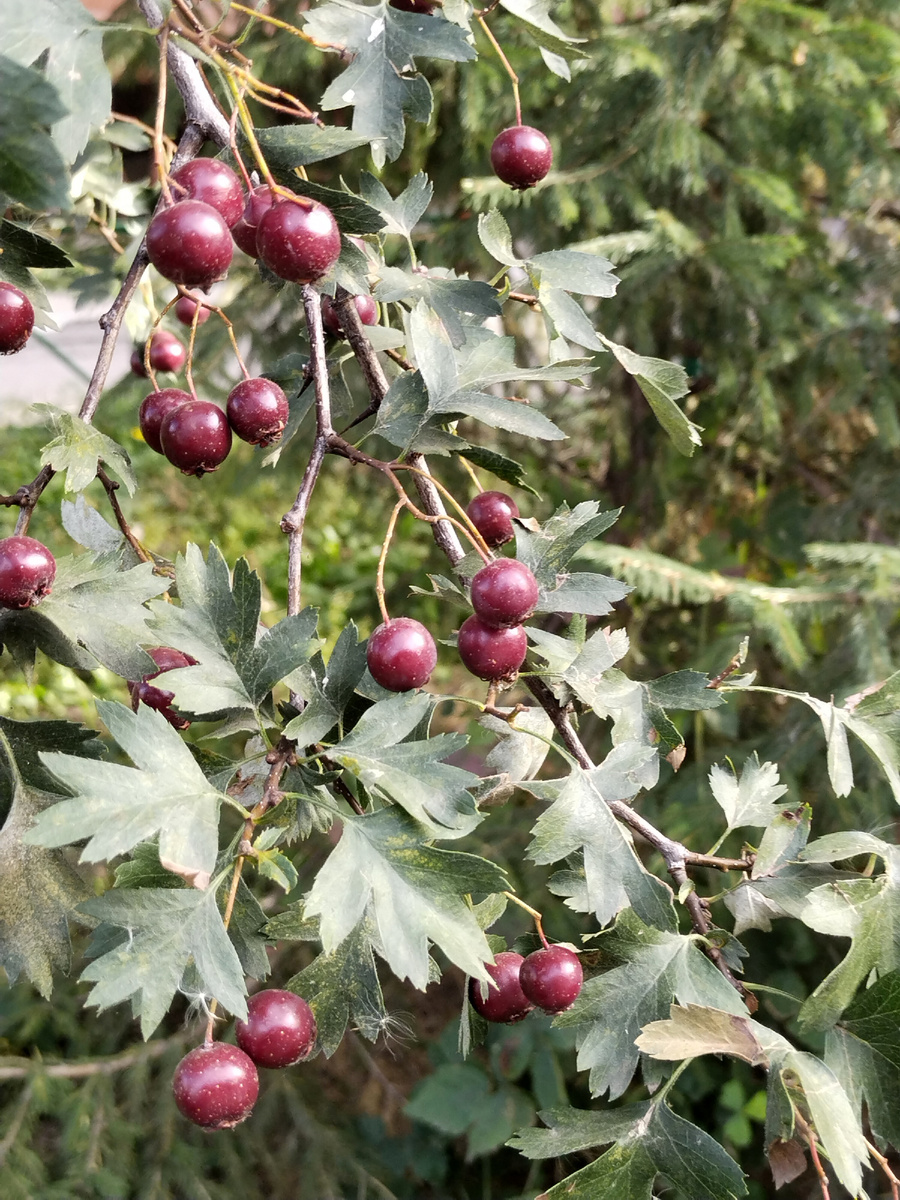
(491, 513)
(154, 410)
(167, 353)
(506, 1002)
(504, 592)
(16, 319)
(166, 659)
(491, 653)
(190, 244)
(185, 308)
(424, 7)
(299, 240)
(216, 1086)
(27, 571)
(196, 437)
(259, 202)
(401, 654)
(365, 306)
(551, 978)
(214, 183)
(521, 156)
(257, 411)
(280, 1029)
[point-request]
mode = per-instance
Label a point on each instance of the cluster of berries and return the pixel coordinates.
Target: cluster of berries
(492, 643)
(549, 979)
(216, 1085)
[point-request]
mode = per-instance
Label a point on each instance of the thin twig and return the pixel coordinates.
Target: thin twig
(810, 1134)
(886, 1167)
(17, 1122)
(382, 559)
(111, 487)
(507, 66)
(12, 1069)
(536, 917)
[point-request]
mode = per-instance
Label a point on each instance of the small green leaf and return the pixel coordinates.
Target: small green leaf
(662, 383)
(32, 170)
(79, 448)
(290, 146)
(752, 799)
(403, 214)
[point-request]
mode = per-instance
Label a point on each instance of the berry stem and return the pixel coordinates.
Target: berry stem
(111, 487)
(506, 63)
(382, 559)
(470, 470)
(538, 919)
(468, 526)
(886, 1167)
(247, 126)
(159, 154)
(238, 157)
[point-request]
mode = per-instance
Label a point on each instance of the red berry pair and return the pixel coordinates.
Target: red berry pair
(492, 642)
(298, 239)
(216, 1085)
(195, 435)
(146, 692)
(549, 979)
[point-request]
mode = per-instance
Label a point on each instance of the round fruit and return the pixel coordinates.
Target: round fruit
(504, 592)
(154, 410)
(190, 244)
(491, 513)
(259, 202)
(16, 319)
(424, 7)
(196, 437)
(166, 352)
(491, 653)
(551, 978)
(401, 654)
(365, 306)
(166, 659)
(214, 183)
(280, 1029)
(27, 571)
(257, 411)
(216, 1086)
(185, 308)
(506, 1002)
(299, 240)
(521, 156)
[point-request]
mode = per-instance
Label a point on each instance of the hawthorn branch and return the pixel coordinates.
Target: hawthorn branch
(13, 1068)
(111, 487)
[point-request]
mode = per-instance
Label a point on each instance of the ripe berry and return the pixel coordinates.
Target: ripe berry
(280, 1029)
(298, 239)
(16, 319)
(552, 978)
(27, 571)
(185, 308)
(259, 202)
(401, 654)
(506, 1002)
(190, 243)
(491, 513)
(365, 306)
(214, 183)
(196, 437)
(425, 7)
(166, 659)
(154, 410)
(504, 592)
(490, 653)
(257, 411)
(216, 1086)
(167, 353)
(521, 156)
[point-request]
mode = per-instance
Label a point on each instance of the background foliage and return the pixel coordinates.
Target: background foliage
(738, 164)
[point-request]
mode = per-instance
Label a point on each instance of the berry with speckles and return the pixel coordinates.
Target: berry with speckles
(505, 592)
(214, 183)
(521, 156)
(298, 239)
(365, 306)
(489, 653)
(27, 571)
(16, 319)
(216, 1086)
(551, 978)
(506, 1003)
(401, 654)
(259, 202)
(196, 437)
(257, 411)
(491, 513)
(190, 244)
(280, 1029)
(154, 410)
(186, 306)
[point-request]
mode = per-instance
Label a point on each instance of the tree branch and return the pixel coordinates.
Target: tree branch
(11, 1068)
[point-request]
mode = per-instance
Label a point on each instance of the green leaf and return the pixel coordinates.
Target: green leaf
(544, 30)
(832, 1116)
(662, 383)
(94, 613)
(446, 1100)
(783, 840)
(167, 929)
(614, 1007)
(410, 773)
(403, 214)
(571, 1129)
(455, 300)
(74, 65)
(32, 170)
(693, 1030)
(864, 1053)
(683, 690)
(548, 549)
(239, 662)
(494, 234)
(339, 987)
(84, 524)
(39, 888)
(582, 592)
(327, 690)
(26, 248)
(381, 82)
(414, 892)
(575, 271)
(600, 652)
(752, 799)
(288, 146)
(498, 464)
(116, 807)
(78, 448)
(580, 820)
